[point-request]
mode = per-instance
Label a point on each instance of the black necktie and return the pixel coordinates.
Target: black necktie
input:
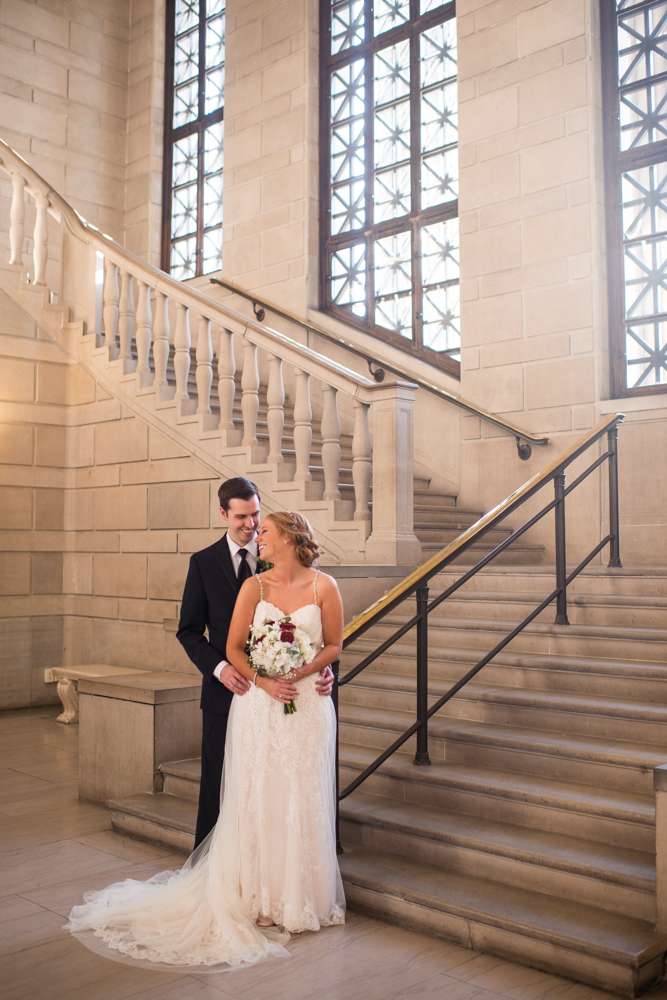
(244, 572)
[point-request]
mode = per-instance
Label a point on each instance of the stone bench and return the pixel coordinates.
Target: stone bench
(67, 678)
(131, 724)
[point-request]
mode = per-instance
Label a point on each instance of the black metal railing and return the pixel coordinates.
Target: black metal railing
(417, 584)
(524, 439)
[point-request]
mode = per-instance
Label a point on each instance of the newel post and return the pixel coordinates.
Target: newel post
(660, 786)
(392, 541)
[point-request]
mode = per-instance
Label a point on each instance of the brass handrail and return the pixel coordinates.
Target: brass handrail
(378, 374)
(367, 618)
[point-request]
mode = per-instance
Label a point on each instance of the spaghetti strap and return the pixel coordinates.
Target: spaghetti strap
(317, 573)
(261, 586)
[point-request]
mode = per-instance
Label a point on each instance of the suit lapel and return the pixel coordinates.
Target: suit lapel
(225, 560)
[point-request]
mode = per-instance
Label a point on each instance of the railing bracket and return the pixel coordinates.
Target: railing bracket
(524, 450)
(378, 374)
(259, 312)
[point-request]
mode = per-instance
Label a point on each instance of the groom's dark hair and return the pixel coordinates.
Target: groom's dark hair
(237, 488)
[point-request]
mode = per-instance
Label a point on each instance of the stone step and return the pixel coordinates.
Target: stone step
(440, 513)
(579, 714)
(612, 878)
(615, 678)
(588, 760)
(519, 553)
(582, 609)
(560, 936)
(599, 580)
(181, 778)
(158, 819)
(443, 534)
(540, 637)
(623, 819)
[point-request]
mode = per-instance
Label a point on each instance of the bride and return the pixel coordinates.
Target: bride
(270, 861)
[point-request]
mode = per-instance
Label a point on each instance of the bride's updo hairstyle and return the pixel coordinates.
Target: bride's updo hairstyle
(297, 529)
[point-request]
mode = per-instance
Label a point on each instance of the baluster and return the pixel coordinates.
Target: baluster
(422, 756)
(204, 365)
(144, 332)
(226, 385)
(275, 398)
(250, 397)
(361, 461)
(16, 217)
(110, 308)
(40, 249)
(182, 352)
(126, 315)
(161, 343)
(303, 431)
(614, 545)
(330, 430)
(561, 570)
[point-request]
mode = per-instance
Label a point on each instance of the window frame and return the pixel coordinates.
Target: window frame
(173, 135)
(616, 163)
(411, 222)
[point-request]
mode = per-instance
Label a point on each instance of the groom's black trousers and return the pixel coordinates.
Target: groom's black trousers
(214, 731)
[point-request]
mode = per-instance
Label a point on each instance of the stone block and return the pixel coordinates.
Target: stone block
(51, 383)
(489, 115)
(497, 390)
(527, 349)
(17, 380)
(28, 118)
(77, 573)
(50, 445)
(178, 505)
(498, 318)
(557, 234)
(243, 255)
(166, 576)
(528, 276)
(283, 243)
(119, 574)
(553, 93)
(243, 147)
(47, 572)
(120, 507)
(559, 307)
(193, 541)
(36, 21)
(129, 725)
(13, 319)
(14, 573)
(30, 69)
(16, 444)
(80, 447)
(555, 163)
(80, 385)
(282, 23)
(98, 45)
(121, 441)
(560, 382)
(162, 447)
(78, 510)
(149, 541)
(284, 76)
(16, 507)
(489, 182)
(46, 650)
(49, 510)
(550, 24)
(284, 131)
(539, 203)
(491, 250)
(15, 654)
(487, 49)
(243, 201)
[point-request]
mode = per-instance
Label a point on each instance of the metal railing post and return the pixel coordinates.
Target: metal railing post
(614, 546)
(335, 666)
(422, 757)
(561, 572)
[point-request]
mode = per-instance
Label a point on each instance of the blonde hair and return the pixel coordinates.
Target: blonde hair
(297, 529)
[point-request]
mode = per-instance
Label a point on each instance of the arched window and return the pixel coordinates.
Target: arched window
(389, 172)
(194, 129)
(634, 46)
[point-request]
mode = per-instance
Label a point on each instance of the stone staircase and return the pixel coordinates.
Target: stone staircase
(532, 833)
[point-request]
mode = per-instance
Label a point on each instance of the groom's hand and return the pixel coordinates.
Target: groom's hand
(232, 679)
(325, 682)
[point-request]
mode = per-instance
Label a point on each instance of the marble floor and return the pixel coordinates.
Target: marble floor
(53, 847)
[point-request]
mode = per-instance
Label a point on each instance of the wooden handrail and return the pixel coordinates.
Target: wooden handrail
(450, 397)
(446, 555)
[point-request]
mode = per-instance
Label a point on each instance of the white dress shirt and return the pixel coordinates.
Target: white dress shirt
(251, 559)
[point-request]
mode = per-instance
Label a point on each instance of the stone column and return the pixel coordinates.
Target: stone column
(660, 785)
(392, 541)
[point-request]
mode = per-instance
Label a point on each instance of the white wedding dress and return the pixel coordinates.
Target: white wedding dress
(272, 852)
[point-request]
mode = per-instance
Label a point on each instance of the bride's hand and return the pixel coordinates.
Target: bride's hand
(281, 689)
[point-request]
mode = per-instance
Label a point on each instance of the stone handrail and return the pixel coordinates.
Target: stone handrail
(137, 335)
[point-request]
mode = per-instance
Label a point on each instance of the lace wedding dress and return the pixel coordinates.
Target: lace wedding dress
(272, 852)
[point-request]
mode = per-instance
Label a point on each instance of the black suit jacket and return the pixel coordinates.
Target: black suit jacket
(209, 596)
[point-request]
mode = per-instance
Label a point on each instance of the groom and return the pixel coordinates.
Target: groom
(213, 582)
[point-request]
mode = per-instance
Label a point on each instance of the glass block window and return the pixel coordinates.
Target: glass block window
(194, 132)
(389, 184)
(634, 39)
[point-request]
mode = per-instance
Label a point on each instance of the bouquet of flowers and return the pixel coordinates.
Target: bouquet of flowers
(277, 648)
